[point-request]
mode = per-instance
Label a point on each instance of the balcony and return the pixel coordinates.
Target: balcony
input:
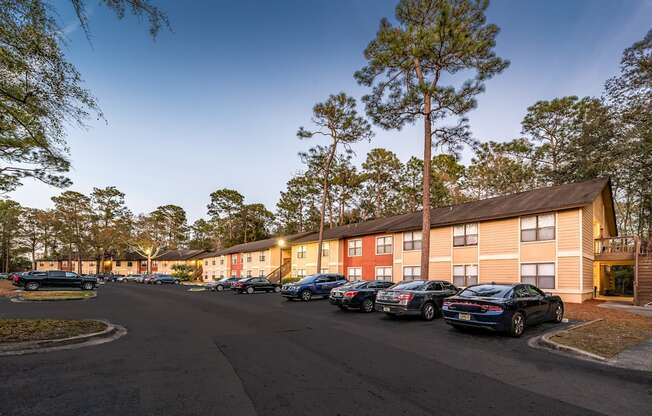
(616, 248)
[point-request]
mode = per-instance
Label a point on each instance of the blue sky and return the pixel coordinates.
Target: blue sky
(217, 102)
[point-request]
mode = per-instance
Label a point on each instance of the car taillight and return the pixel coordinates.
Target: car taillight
(16, 278)
(405, 298)
(350, 294)
(492, 308)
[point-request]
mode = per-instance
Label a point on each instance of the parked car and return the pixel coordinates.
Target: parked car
(358, 295)
(223, 283)
(130, 278)
(4, 276)
(141, 278)
(255, 284)
(502, 307)
(54, 278)
(313, 285)
(160, 279)
(415, 297)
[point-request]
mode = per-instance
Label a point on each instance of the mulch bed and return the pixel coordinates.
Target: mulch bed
(617, 331)
(57, 295)
(24, 330)
(6, 287)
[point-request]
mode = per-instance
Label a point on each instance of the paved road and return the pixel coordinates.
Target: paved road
(203, 353)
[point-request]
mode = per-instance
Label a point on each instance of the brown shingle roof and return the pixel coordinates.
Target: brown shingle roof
(179, 255)
(572, 195)
(259, 245)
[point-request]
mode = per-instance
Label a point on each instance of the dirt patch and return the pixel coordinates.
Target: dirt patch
(617, 331)
(6, 288)
(58, 295)
(24, 330)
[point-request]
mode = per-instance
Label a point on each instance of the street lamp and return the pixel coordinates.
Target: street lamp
(281, 244)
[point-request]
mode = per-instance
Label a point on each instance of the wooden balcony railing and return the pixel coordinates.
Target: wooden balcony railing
(616, 245)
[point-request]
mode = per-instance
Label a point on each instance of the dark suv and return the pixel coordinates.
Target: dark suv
(54, 278)
(416, 297)
(313, 285)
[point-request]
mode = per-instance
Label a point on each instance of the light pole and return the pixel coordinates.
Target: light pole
(281, 244)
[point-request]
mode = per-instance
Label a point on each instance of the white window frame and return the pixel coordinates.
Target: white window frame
(350, 277)
(465, 235)
(391, 245)
(537, 276)
(537, 228)
(301, 252)
(466, 274)
(384, 277)
(412, 240)
(325, 249)
(355, 247)
(412, 268)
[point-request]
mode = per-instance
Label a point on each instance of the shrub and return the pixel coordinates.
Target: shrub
(182, 272)
(290, 280)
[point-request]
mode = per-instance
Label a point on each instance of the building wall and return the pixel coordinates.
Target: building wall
(125, 267)
(308, 264)
(235, 264)
(369, 259)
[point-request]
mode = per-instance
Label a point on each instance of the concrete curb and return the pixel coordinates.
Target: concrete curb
(111, 333)
(545, 342)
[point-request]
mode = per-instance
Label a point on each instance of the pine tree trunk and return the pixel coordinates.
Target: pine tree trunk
(427, 158)
(323, 204)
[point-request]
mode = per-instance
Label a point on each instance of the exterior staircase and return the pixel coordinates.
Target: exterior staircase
(643, 282)
(276, 275)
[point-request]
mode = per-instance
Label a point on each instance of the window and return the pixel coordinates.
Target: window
(248, 257)
(355, 248)
(412, 240)
(213, 263)
(261, 273)
(234, 260)
(465, 235)
(384, 273)
(411, 272)
(221, 275)
(322, 271)
(466, 275)
(384, 245)
(221, 260)
(541, 275)
(71, 275)
(130, 264)
(42, 264)
(324, 249)
(248, 273)
(205, 262)
(538, 227)
(301, 272)
(117, 263)
(301, 252)
(354, 273)
(261, 257)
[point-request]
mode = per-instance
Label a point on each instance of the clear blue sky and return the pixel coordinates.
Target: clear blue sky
(217, 102)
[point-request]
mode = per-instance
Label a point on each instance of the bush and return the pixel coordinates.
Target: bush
(182, 272)
(290, 280)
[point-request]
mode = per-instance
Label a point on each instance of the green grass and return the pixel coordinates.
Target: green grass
(23, 330)
(58, 295)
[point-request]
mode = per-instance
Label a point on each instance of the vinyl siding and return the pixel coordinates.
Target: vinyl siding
(568, 273)
(534, 252)
(465, 255)
(568, 231)
(587, 230)
(440, 242)
(499, 237)
(587, 271)
(440, 271)
(499, 271)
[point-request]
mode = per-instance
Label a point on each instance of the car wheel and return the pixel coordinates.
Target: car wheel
(428, 312)
(306, 295)
(558, 313)
(32, 286)
(367, 305)
(219, 288)
(250, 290)
(87, 286)
(342, 307)
(176, 282)
(277, 289)
(518, 325)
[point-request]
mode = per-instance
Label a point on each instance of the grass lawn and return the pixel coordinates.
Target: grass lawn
(617, 331)
(58, 295)
(23, 330)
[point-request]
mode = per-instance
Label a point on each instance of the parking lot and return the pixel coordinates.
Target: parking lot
(205, 353)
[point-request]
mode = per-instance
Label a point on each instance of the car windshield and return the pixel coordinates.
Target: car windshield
(487, 291)
(308, 279)
(356, 285)
(413, 285)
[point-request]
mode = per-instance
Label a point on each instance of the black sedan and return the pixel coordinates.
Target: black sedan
(415, 297)
(255, 284)
(162, 279)
(357, 295)
(502, 307)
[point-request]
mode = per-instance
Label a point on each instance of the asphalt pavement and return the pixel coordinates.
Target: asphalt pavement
(206, 353)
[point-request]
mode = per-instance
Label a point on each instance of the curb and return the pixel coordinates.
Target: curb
(111, 333)
(545, 341)
(20, 299)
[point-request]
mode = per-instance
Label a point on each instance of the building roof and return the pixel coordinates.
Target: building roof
(567, 196)
(179, 255)
(252, 246)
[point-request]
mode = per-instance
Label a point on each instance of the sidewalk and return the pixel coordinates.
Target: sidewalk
(638, 357)
(625, 307)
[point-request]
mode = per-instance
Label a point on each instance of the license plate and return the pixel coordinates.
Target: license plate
(386, 309)
(465, 316)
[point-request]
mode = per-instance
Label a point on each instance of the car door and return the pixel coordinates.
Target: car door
(524, 301)
(435, 291)
(55, 278)
(540, 304)
(72, 279)
(321, 285)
